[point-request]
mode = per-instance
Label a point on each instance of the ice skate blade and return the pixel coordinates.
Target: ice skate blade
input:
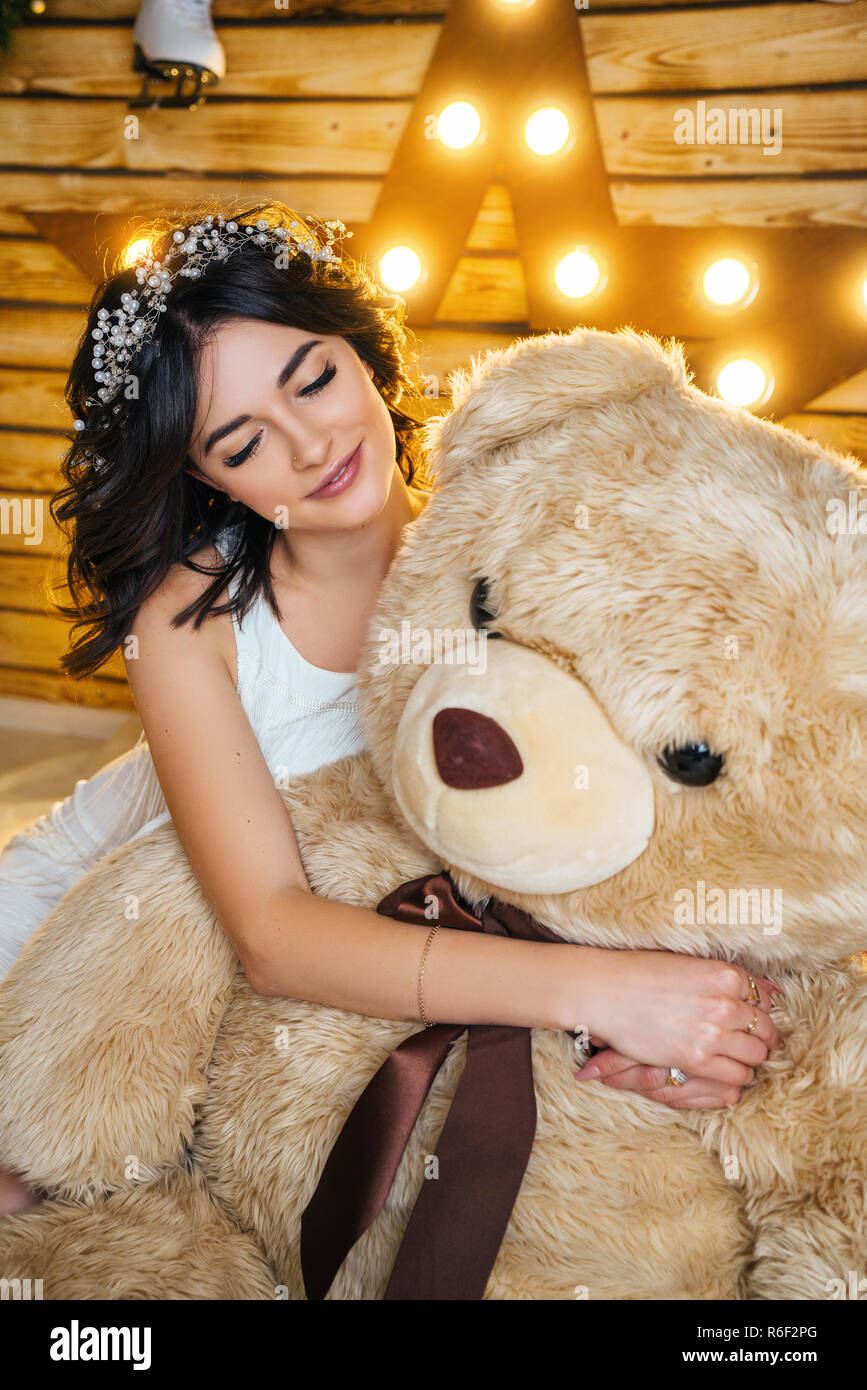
(183, 80)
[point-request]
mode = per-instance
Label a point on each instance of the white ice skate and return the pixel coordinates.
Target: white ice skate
(176, 44)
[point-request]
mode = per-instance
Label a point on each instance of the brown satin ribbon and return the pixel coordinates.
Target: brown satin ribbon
(460, 1217)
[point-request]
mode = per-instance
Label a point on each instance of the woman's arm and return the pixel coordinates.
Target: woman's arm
(239, 840)
(670, 1010)
(665, 1009)
(356, 959)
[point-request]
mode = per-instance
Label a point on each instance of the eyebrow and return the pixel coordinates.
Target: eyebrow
(291, 367)
(296, 359)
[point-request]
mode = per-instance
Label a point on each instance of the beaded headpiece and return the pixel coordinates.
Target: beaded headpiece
(121, 332)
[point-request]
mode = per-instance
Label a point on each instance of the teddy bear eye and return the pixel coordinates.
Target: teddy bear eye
(480, 613)
(693, 764)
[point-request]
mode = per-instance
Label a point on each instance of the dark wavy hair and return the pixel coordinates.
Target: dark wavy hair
(129, 521)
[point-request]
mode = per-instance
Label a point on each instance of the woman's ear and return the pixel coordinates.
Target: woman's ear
(195, 473)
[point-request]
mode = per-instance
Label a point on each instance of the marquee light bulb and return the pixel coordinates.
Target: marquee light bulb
(744, 382)
(458, 125)
(547, 130)
(578, 274)
(399, 268)
(729, 282)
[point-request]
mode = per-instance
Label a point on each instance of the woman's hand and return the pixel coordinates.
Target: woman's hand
(658, 1009)
(625, 1074)
(622, 1073)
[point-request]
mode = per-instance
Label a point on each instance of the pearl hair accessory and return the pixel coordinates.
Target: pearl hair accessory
(121, 332)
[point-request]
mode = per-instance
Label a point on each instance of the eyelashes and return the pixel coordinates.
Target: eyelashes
(246, 453)
(321, 382)
(313, 390)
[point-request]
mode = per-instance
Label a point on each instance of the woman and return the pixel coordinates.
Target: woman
(236, 469)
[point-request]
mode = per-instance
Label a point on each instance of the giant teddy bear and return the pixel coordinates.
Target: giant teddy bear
(662, 571)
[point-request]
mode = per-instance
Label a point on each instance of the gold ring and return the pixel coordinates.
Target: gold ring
(676, 1077)
(755, 1023)
(753, 997)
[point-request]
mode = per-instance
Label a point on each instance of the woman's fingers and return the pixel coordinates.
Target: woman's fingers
(735, 981)
(734, 1017)
(768, 994)
(728, 1071)
(744, 1045)
(604, 1064)
(768, 990)
(701, 1094)
(719, 1068)
(624, 1074)
(753, 1047)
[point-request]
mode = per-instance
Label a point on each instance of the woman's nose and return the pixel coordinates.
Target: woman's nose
(306, 446)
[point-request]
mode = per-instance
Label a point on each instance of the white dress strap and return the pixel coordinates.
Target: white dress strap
(303, 715)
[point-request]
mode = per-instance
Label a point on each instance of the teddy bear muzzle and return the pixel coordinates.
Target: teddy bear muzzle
(512, 772)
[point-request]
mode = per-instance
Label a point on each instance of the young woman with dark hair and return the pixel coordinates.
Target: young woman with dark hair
(218, 388)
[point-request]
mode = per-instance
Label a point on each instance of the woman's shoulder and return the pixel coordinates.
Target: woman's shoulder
(182, 581)
(182, 586)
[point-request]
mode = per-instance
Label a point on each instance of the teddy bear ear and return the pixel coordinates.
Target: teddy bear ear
(509, 393)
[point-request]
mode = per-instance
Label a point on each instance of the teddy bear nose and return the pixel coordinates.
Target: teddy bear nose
(472, 750)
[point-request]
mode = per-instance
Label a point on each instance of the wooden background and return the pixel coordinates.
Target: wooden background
(314, 110)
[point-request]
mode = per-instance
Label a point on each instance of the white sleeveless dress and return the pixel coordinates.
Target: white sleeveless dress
(303, 716)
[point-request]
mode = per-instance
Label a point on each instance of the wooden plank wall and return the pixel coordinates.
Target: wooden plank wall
(311, 112)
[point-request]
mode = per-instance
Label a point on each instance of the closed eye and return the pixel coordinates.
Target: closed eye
(246, 453)
(321, 382)
(313, 390)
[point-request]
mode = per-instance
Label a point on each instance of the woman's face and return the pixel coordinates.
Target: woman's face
(278, 408)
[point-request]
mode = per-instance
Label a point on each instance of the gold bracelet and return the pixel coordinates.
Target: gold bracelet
(431, 934)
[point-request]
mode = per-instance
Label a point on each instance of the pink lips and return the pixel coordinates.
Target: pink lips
(348, 475)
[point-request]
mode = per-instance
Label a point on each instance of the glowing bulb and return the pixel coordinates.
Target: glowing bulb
(37, 6)
(547, 130)
(728, 282)
(743, 382)
(400, 268)
(578, 274)
(458, 125)
(135, 252)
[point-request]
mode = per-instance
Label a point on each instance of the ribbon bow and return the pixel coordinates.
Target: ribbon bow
(459, 1219)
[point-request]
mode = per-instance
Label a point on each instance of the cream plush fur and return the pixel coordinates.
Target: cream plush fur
(661, 570)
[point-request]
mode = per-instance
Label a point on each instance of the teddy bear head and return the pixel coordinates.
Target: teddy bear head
(618, 670)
